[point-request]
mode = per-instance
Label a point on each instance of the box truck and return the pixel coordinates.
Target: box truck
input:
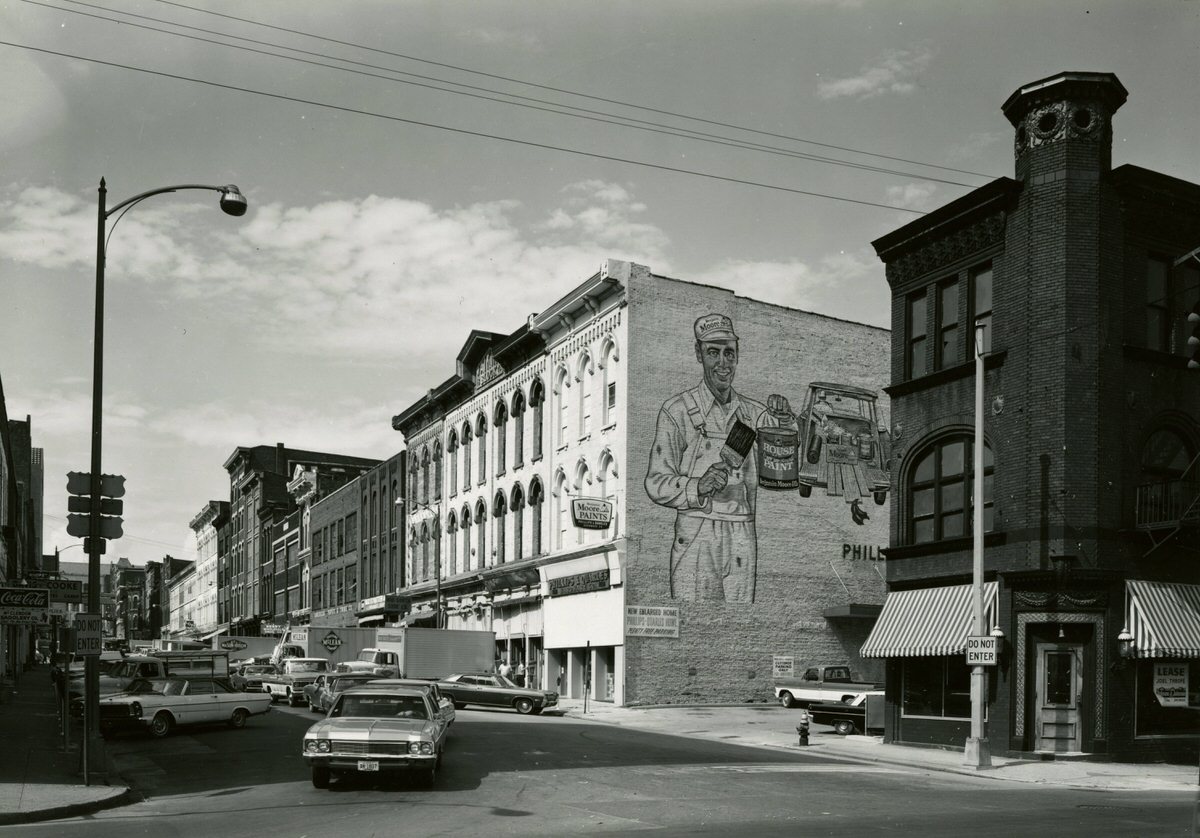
(409, 652)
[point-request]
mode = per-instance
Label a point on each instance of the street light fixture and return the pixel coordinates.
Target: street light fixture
(232, 203)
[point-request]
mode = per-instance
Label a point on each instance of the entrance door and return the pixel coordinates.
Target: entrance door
(1057, 697)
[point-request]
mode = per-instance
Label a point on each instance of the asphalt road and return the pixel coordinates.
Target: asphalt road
(506, 774)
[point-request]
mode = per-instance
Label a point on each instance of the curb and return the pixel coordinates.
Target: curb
(71, 810)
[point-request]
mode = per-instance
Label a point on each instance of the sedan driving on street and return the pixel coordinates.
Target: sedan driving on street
(486, 689)
(373, 730)
(159, 704)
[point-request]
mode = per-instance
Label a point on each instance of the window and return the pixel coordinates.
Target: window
(535, 518)
(480, 535)
(518, 415)
(585, 395)
(481, 432)
(437, 471)
(562, 382)
(466, 449)
(499, 510)
(940, 491)
(561, 511)
(518, 507)
(341, 537)
(608, 384)
(936, 687)
(452, 543)
(949, 351)
(1158, 321)
(452, 455)
(413, 466)
(1165, 456)
(424, 475)
(466, 532)
(435, 535)
(424, 552)
(916, 335)
(981, 292)
(501, 436)
(537, 398)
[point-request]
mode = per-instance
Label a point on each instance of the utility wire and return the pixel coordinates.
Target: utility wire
(613, 119)
(567, 92)
(126, 536)
(464, 131)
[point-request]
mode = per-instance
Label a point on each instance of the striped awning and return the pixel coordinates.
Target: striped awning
(1164, 618)
(927, 622)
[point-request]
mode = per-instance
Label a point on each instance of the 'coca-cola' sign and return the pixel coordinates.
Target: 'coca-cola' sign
(24, 605)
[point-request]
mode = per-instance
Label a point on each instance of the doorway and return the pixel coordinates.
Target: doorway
(1057, 698)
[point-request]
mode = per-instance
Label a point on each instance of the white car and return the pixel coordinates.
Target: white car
(159, 704)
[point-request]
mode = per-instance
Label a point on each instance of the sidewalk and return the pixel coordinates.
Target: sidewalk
(38, 779)
(770, 726)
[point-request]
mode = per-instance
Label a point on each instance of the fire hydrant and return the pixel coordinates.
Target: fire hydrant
(802, 728)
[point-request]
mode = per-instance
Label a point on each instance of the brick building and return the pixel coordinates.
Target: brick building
(333, 572)
(580, 404)
(1079, 275)
(382, 548)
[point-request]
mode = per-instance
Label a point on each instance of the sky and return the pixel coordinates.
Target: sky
(416, 169)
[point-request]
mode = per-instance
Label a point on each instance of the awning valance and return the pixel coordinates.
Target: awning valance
(1164, 618)
(927, 622)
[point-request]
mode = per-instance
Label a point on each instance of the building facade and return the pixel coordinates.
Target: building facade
(20, 530)
(1076, 277)
(382, 547)
(333, 574)
(205, 529)
(553, 491)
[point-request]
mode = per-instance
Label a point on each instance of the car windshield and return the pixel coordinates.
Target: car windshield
(380, 707)
(307, 666)
(258, 670)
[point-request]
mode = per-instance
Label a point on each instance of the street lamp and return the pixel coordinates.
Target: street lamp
(232, 203)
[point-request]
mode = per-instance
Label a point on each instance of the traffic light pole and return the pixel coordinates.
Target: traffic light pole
(91, 695)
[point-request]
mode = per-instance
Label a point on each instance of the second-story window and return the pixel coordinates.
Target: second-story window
(949, 352)
(467, 436)
(499, 513)
(537, 400)
(481, 432)
(916, 326)
(425, 475)
(501, 437)
(452, 457)
(981, 293)
(518, 415)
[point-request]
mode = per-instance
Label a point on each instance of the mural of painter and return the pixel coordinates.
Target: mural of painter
(702, 466)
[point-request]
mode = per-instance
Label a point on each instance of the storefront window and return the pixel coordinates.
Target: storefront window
(937, 687)
(1165, 707)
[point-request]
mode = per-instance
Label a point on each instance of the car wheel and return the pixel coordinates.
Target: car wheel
(238, 719)
(524, 706)
(320, 777)
(162, 724)
(787, 699)
(537, 711)
(843, 727)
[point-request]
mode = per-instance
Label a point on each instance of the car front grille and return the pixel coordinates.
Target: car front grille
(114, 711)
(342, 746)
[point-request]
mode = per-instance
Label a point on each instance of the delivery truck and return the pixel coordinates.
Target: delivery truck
(410, 652)
(337, 644)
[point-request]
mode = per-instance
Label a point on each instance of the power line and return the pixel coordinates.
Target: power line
(126, 536)
(467, 132)
(567, 92)
(600, 116)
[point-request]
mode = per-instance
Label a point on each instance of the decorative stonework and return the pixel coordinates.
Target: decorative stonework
(1058, 121)
(949, 249)
(489, 370)
(1060, 599)
(1023, 656)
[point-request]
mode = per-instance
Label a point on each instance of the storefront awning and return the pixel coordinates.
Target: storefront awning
(213, 634)
(1164, 619)
(927, 622)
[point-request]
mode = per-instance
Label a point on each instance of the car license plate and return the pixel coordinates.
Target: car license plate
(368, 765)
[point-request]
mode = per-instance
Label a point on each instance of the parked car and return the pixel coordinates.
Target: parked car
(249, 677)
(159, 704)
(820, 683)
(488, 689)
(847, 717)
(440, 699)
(322, 693)
(372, 730)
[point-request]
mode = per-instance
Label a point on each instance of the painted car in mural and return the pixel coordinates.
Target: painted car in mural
(843, 449)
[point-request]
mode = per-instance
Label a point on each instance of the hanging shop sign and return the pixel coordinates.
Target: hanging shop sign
(26, 606)
(591, 513)
(580, 583)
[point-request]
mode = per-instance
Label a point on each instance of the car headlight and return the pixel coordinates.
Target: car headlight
(313, 746)
(420, 748)
(135, 709)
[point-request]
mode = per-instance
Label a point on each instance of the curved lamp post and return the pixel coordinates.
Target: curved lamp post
(232, 203)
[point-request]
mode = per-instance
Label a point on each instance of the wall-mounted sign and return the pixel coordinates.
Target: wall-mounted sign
(1171, 684)
(862, 552)
(25, 606)
(591, 513)
(783, 666)
(579, 583)
(233, 645)
(651, 621)
(981, 650)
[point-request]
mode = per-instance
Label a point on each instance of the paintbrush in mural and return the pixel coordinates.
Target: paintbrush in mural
(738, 444)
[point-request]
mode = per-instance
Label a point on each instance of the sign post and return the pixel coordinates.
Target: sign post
(982, 650)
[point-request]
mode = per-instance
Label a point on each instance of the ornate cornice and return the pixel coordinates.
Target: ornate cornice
(951, 248)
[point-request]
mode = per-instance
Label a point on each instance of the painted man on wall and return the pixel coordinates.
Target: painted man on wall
(714, 554)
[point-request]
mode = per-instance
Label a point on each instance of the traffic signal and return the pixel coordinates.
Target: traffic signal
(1193, 341)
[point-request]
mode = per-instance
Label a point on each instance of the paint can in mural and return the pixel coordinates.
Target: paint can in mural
(778, 445)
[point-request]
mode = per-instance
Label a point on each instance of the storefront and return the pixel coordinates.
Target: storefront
(1162, 644)
(377, 610)
(584, 627)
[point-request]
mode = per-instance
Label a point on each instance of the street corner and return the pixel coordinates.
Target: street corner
(37, 802)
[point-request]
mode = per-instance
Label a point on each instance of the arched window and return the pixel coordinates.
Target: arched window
(518, 415)
(424, 552)
(452, 543)
(562, 505)
(562, 380)
(437, 470)
(537, 401)
(499, 513)
(414, 542)
(481, 424)
(1165, 456)
(501, 421)
(466, 536)
(535, 517)
(425, 475)
(392, 507)
(452, 456)
(583, 374)
(480, 535)
(606, 482)
(582, 485)
(518, 512)
(413, 467)
(467, 436)
(435, 536)
(940, 487)
(608, 381)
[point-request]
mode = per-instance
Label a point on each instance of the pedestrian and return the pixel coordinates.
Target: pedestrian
(505, 669)
(520, 675)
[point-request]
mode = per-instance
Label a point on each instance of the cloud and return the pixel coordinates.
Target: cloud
(514, 38)
(892, 74)
(34, 107)
(917, 196)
